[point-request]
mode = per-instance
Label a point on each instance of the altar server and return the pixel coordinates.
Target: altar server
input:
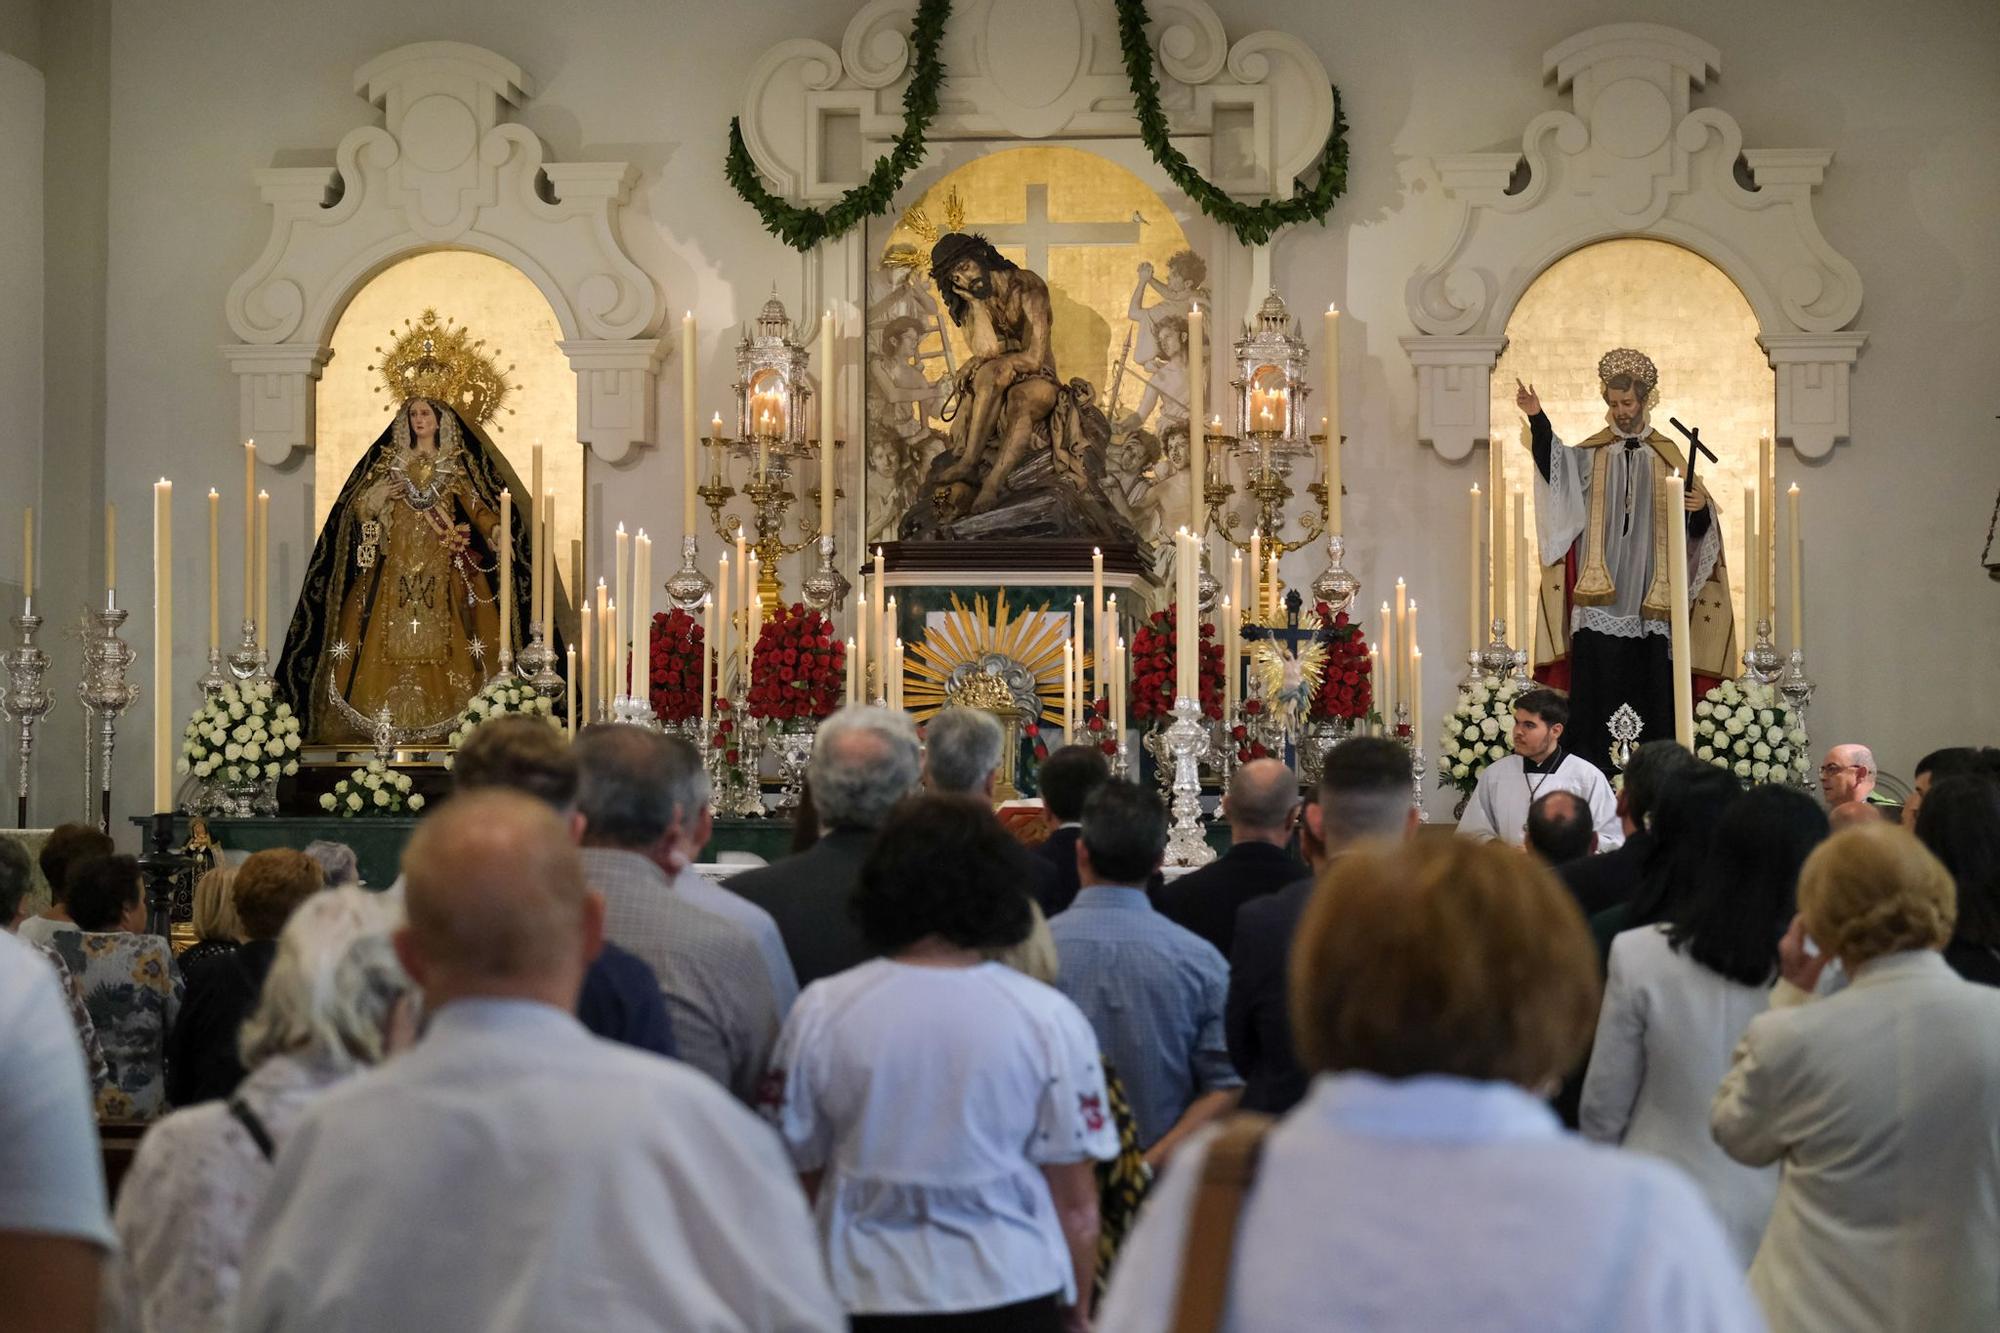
(512, 1172)
(1539, 765)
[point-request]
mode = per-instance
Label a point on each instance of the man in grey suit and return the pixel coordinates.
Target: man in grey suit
(864, 760)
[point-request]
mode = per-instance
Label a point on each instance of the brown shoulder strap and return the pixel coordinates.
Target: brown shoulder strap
(1227, 1174)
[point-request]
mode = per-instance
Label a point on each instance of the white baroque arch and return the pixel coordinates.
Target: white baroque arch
(444, 170)
(1632, 158)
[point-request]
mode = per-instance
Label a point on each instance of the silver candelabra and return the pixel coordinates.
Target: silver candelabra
(27, 699)
(1188, 740)
(1335, 586)
(689, 586)
(105, 693)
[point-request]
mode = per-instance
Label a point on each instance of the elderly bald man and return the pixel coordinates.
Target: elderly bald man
(1261, 806)
(513, 1172)
(1846, 779)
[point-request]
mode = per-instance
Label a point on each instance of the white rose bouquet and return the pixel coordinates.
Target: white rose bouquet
(243, 734)
(371, 790)
(502, 694)
(1478, 730)
(1750, 730)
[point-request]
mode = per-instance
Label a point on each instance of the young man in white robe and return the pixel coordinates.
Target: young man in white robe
(1538, 766)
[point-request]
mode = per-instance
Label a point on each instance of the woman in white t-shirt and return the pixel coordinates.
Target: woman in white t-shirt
(945, 1111)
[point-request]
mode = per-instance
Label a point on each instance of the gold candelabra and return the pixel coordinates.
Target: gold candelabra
(1267, 470)
(769, 463)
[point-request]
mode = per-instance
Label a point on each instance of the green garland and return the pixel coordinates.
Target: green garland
(1254, 224)
(803, 228)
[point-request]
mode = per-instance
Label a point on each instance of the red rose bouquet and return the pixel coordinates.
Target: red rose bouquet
(798, 669)
(1346, 683)
(675, 661)
(1152, 687)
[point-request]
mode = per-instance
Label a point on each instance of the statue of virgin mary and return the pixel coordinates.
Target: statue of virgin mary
(400, 608)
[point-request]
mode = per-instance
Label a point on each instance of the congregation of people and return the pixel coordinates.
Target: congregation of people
(1669, 1053)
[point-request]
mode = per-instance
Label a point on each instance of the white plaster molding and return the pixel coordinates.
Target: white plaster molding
(1632, 157)
(445, 169)
(1035, 69)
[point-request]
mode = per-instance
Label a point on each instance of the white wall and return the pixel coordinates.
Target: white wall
(1902, 621)
(21, 123)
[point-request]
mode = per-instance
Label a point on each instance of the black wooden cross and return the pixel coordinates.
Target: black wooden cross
(1696, 449)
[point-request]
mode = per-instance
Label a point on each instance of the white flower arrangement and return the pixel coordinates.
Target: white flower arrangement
(371, 790)
(1752, 731)
(502, 694)
(1478, 730)
(242, 734)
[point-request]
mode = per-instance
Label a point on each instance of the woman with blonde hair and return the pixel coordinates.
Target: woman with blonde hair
(217, 932)
(1882, 1102)
(1439, 990)
(185, 1209)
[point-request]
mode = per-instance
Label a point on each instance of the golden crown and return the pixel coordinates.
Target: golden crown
(436, 359)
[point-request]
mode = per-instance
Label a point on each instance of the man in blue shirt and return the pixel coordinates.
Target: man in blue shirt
(1153, 991)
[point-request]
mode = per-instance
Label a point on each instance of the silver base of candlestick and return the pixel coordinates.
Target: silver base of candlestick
(825, 590)
(634, 711)
(1188, 741)
(105, 692)
(1207, 587)
(537, 664)
(1498, 657)
(1761, 662)
(738, 793)
(27, 699)
(688, 586)
(1795, 686)
(1335, 586)
(1400, 728)
(1121, 760)
(247, 662)
(211, 681)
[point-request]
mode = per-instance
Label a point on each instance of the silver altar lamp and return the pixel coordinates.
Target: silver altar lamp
(773, 391)
(1270, 384)
(27, 699)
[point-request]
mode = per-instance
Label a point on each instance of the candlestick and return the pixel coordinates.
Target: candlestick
(621, 595)
(1197, 398)
(851, 696)
(214, 571)
(861, 614)
(1385, 672)
(1274, 589)
(708, 666)
(1330, 473)
(1677, 592)
(569, 692)
(1416, 695)
(1751, 582)
(881, 630)
(264, 575)
(587, 631)
(1504, 590)
(537, 595)
(249, 527)
(1767, 527)
(1069, 691)
(1256, 603)
(1797, 567)
(1411, 685)
(506, 578)
(604, 694)
(1496, 536)
(1097, 618)
(163, 644)
(1474, 589)
(1399, 661)
(690, 438)
(891, 642)
(1524, 610)
(826, 381)
(1118, 686)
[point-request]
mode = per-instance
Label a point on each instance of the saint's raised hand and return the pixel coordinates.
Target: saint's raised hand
(1526, 399)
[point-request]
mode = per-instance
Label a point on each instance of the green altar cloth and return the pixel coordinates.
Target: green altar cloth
(378, 843)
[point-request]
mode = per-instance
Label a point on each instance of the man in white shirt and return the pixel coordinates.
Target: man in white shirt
(54, 1228)
(1499, 805)
(512, 1172)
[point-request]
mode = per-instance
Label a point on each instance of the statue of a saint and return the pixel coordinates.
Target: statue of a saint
(400, 608)
(1600, 515)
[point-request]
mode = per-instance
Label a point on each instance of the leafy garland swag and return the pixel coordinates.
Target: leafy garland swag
(1254, 224)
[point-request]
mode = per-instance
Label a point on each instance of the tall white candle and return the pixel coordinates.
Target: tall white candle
(753, 614)
(1331, 466)
(621, 583)
(587, 632)
(1524, 592)
(1752, 581)
(826, 428)
(861, 642)
(1410, 684)
(1229, 663)
(1197, 445)
(1496, 534)
(1069, 690)
(1475, 589)
(1677, 593)
(1399, 662)
(1767, 528)
(545, 558)
(642, 603)
(1097, 621)
(506, 554)
(1380, 684)
(882, 630)
(1797, 567)
(263, 571)
(1118, 688)
(690, 437)
(1417, 693)
(1274, 588)
(537, 595)
(1256, 602)
(851, 696)
(163, 645)
(569, 692)
(891, 644)
(1385, 664)
(1503, 567)
(614, 676)
(708, 665)
(111, 553)
(214, 566)
(249, 528)
(722, 625)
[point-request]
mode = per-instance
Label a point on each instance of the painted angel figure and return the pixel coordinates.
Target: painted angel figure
(1187, 272)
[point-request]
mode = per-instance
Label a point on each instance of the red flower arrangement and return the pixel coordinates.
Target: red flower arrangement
(725, 729)
(1346, 685)
(1246, 748)
(1097, 721)
(676, 659)
(798, 667)
(1152, 687)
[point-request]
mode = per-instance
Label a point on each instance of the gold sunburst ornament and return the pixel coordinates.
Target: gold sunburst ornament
(436, 359)
(918, 222)
(1287, 679)
(1024, 651)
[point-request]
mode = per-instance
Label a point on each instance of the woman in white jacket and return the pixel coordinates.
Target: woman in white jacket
(1679, 994)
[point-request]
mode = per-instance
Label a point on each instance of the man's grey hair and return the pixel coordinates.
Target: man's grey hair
(864, 760)
(961, 751)
(634, 784)
(337, 864)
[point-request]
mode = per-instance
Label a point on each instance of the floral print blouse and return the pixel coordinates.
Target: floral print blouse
(132, 987)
